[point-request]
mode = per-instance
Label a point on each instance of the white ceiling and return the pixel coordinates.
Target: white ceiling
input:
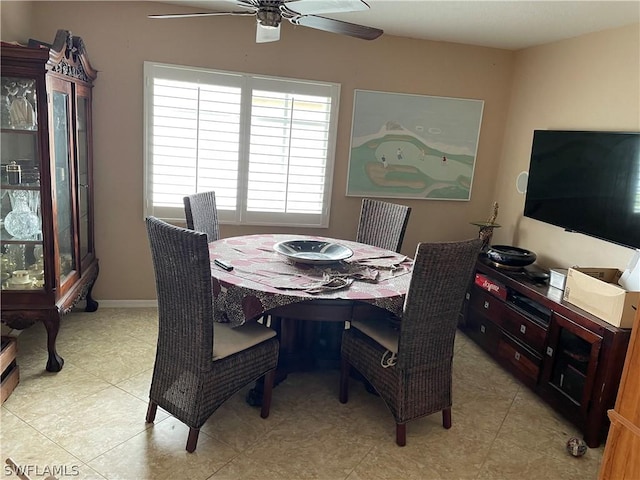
(511, 25)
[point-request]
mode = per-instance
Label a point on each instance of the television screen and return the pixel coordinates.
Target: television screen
(587, 182)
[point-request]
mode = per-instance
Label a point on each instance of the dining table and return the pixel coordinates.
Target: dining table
(252, 281)
(263, 280)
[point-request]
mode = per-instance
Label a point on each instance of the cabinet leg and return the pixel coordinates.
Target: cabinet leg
(592, 435)
(55, 361)
(92, 305)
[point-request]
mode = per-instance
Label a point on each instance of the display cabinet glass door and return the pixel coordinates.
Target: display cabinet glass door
(83, 148)
(573, 352)
(62, 177)
(22, 259)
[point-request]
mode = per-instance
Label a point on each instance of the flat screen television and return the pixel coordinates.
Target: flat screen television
(587, 182)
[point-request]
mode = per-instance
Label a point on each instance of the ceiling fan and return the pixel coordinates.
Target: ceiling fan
(269, 14)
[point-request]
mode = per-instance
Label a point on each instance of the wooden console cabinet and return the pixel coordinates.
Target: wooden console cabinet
(571, 358)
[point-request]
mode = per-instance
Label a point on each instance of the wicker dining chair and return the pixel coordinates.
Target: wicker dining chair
(382, 224)
(199, 363)
(409, 363)
(201, 214)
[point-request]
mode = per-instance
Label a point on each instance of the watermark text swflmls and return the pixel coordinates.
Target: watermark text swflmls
(35, 471)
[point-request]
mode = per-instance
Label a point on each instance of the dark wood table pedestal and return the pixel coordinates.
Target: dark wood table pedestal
(310, 335)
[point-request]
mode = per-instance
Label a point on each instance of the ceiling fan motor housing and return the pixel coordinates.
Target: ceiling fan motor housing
(269, 13)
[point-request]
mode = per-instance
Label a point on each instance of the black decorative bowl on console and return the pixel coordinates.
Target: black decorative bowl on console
(510, 257)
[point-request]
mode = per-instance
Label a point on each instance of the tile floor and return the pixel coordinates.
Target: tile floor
(88, 421)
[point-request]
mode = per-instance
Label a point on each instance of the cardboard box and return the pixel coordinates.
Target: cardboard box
(491, 286)
(596, 291)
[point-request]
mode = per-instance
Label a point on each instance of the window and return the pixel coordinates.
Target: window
(265, 145)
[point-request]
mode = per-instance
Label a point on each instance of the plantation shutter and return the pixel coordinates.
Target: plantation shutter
(265, 145)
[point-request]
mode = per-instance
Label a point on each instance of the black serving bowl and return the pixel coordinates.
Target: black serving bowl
(510, 256)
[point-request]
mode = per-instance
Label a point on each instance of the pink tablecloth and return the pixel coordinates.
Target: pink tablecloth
(263, 279)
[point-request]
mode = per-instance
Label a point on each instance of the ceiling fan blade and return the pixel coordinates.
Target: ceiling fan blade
(267, 34)
(313, 7)
(201, 14)
(337, 26)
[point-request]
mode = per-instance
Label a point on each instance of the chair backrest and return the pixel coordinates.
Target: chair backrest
(185, 297)
(201, 214)
(440, 278)
(382, 224)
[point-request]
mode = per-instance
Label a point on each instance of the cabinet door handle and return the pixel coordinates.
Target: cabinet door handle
(549, 352)
(523, 329)
(517, 356)
(486, 304)
(482, 328)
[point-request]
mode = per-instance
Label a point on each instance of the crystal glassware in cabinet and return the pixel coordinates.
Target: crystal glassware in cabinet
(19, 103)
(21, 250)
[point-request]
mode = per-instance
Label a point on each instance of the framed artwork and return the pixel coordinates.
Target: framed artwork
(413, 146)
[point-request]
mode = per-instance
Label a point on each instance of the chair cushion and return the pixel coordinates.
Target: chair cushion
(228, 340)
(381, 330)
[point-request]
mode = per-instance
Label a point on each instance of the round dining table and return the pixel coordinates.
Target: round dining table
(263, 281)
(304, 302)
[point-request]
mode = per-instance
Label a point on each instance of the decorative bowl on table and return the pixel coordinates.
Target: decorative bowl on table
(314, 252)
(508, 256)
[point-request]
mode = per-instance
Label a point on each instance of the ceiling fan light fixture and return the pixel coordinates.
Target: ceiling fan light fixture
(265, 33)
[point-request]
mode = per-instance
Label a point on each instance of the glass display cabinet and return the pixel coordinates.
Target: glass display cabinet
(48, 262)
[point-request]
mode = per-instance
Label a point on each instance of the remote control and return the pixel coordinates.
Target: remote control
(224, 265)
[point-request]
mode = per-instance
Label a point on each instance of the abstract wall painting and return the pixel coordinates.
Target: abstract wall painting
(413, 146)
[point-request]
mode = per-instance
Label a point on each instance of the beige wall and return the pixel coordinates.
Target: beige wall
(587, 83)
(15, 21)
(120, 38)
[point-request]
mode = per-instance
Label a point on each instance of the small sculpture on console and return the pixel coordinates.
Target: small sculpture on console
(486, 228)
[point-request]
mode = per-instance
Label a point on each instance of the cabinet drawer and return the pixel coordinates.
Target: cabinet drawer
(482, 331)
(10, 378)
(486, 304)
(524, 329)
(525, 365)
(8, 352)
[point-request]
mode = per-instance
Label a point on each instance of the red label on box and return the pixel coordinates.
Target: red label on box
(491, 286)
